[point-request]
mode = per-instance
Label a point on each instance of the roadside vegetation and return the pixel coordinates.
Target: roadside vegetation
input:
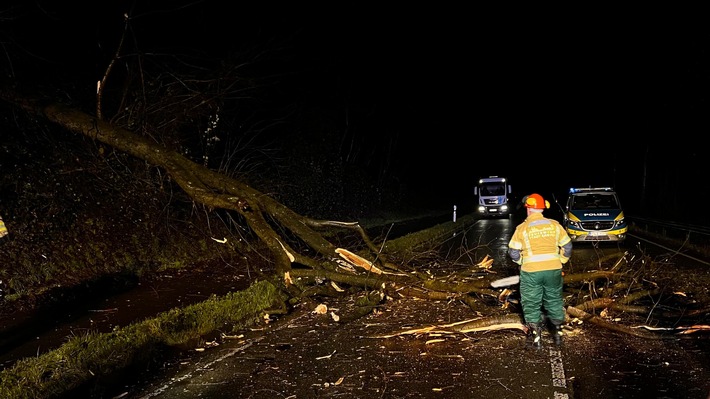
(87, 357)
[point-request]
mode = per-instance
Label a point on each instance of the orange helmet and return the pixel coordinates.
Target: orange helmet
(536, 201)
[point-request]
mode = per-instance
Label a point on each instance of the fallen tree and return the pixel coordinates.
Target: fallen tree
(307, 264)
(302, 255)
(154, 106)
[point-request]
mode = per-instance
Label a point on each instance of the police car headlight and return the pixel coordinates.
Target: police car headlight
(504, 208)
(481, 209)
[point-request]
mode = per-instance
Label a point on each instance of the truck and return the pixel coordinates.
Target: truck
(594, 214)
(494, 197)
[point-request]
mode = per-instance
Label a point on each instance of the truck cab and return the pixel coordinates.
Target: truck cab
(594, 214)
(493, 195)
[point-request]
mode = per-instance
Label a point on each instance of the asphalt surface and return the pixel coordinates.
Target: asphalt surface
(311, 355)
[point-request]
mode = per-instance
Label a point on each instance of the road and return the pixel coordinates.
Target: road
(306, 355)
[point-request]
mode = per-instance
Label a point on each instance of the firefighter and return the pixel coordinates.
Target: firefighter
(540, 246)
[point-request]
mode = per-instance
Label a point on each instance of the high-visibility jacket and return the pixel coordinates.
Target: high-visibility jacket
(540, 244)
(3, 229)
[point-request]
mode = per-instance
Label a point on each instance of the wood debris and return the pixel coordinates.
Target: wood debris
(693, 329)
(334, 316)
(289, 254)
(321, 309)
(326, 356)
(486, 263)
(679, 330)
(465, 326)
(357, 260)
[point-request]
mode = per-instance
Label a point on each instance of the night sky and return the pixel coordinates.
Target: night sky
(549, 102)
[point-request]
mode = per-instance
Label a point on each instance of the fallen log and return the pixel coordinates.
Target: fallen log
(465, 326)
(598, 321)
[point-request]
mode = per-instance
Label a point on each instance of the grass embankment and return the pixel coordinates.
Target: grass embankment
(86, 357)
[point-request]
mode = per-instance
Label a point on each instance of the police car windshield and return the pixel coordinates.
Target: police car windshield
(594, 201)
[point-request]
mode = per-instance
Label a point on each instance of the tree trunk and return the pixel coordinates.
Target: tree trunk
(263, 215)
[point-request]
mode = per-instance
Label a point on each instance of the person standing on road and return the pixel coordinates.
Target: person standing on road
(540, 246)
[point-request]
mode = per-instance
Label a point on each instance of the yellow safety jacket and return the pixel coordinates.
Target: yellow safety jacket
(540, 241)
(3, 229)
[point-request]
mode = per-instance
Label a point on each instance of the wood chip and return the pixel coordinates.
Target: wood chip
(357, 260)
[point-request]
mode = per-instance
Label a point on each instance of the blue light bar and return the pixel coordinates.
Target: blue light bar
(583, 189)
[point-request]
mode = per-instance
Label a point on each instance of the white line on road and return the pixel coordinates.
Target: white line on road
(558, 373)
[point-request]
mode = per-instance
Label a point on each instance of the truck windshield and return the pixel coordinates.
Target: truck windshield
(594, 201)
(493, 189)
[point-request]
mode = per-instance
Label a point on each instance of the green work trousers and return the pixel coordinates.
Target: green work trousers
(542, 290)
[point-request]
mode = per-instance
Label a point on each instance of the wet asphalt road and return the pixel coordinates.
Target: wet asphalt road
(306, 355)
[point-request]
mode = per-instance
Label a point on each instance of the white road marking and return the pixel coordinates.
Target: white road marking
(558, 373)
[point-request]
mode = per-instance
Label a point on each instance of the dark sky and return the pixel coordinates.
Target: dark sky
(549, 105)
(550, 102)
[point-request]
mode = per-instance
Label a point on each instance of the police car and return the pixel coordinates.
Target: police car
(594, 214)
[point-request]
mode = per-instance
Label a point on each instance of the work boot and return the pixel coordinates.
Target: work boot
(535, 331)
(557, 331)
